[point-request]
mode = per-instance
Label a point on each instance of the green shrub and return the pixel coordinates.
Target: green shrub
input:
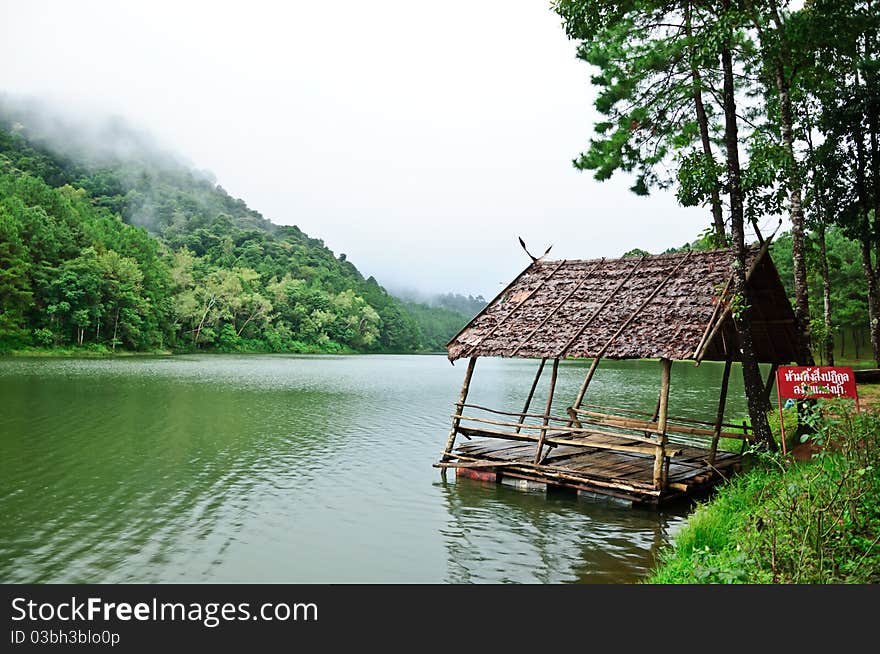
(789, 522)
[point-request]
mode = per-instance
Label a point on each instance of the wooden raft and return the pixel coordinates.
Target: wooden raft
(606, 309)
(624, 474)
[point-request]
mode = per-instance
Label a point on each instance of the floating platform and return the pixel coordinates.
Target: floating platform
(622, 475)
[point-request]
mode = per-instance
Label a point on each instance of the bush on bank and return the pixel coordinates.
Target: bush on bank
(785, 521)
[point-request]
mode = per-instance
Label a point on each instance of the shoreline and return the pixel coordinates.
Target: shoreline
(126, 354)
(765, 524)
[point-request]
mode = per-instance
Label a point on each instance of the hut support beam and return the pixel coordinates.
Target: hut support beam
(605, 302)
(768, 385)
(719, 417)
(659, 467)
(528, 403)
(719, 323)
(583, 389)
(459, 406)
(515, 309)
(546, 418)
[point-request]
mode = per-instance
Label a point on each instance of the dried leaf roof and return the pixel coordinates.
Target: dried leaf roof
(669, 305)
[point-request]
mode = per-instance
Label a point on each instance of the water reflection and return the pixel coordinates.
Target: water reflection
(496, 534)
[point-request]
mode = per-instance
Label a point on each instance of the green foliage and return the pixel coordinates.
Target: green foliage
(849, 298)
(145, 254)
(788, 522)
(436, 325)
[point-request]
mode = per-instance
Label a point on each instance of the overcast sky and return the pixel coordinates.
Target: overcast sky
(419, 138)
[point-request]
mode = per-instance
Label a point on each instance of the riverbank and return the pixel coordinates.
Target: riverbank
(100, 351)
(80, 352)
(785, 521)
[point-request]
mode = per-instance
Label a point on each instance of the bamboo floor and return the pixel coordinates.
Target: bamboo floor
(623, 475)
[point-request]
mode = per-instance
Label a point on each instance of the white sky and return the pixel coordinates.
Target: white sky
(418, 138)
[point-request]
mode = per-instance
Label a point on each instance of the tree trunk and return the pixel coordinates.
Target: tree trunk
(873, 299)
(115, 325)
(796, 209)
(754, 384)
(703, 122)
(872, 228)
(828, 345)
(873, 129)
(867, 240)
(202, 321)
(796, 214)
(251, 317)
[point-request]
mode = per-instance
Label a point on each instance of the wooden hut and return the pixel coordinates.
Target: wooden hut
(671, 307)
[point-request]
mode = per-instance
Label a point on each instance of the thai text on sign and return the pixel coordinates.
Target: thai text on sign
(811, 382)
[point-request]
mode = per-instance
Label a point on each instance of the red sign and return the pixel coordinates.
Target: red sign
(811, 382)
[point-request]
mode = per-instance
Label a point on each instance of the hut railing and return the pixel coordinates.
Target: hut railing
(594, 426)
(558, 430)
(683, 426)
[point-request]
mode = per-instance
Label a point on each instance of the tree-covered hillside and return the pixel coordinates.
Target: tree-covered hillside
(125, 247)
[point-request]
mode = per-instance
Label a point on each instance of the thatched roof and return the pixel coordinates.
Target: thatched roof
(667, 305)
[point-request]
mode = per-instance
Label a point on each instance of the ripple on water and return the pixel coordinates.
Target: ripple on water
(286, 468)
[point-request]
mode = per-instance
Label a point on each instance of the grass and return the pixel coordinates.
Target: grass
(789, 522)
(869, 395)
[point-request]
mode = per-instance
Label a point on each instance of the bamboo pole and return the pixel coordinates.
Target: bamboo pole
(605, 419)
(491, 303)
(462, 396)
(546, 419)
(516, 308)
(583, 389)
(698, 354)
(635, 313)
(544, 472)
(515, 414)
(719, 417)
(665, 373)
(586, 443)
(561, 431)
(641, 413)
(553, 311)
(620, 330)
(709, 325)
(771, 379)
(528, 403)
(589, 320)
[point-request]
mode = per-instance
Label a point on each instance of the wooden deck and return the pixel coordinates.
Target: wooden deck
(626, 475)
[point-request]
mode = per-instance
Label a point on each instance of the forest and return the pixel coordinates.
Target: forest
(125, 248)
(752, 109)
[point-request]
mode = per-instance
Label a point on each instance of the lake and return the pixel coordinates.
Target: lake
(265, 468)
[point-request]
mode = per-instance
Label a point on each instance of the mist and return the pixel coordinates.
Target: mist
(419, 141)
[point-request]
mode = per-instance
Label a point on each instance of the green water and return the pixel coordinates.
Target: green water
(297, 469)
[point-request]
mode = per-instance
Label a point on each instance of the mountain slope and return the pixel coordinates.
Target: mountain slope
(124, 246)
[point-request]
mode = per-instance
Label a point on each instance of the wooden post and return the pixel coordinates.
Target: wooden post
(583, 390)
(768, 386)
(528, 403)
(546, 420)
(665, 371)
(459, 407)
(719, 417)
